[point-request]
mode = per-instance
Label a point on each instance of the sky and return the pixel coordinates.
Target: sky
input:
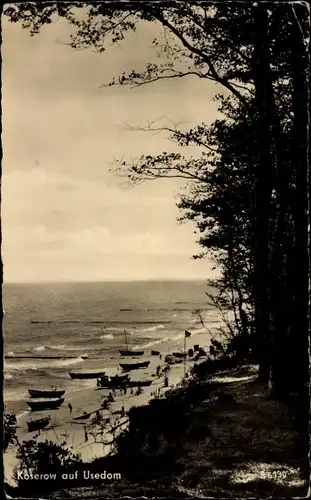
(65, 215)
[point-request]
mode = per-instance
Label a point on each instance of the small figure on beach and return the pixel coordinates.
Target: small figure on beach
(70, 408)
(160, 356)
(111, 398)
(166, 381)
(158, 370)
(122, 411)
(132, 392)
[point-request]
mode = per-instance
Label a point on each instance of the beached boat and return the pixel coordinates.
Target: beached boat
(113, 382)
(134, 366)
(155, 353)
(139, 383)
(129, 352)
(40, 423)
(51, 393)
(179, 354)
(45, 404)
(86, 374)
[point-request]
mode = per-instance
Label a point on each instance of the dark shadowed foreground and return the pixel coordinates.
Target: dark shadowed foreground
(220, 437)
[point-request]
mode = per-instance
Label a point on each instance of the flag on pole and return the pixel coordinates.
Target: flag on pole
(187, 334)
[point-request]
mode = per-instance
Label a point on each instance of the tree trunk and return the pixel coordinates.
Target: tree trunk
(299, 338)
(263, 190)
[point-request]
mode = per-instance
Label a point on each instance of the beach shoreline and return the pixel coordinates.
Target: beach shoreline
(85, 396)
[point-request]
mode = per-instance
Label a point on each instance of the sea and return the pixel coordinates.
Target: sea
(51, 328)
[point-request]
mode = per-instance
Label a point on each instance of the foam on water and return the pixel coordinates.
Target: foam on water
(39, 348)
(153, 328)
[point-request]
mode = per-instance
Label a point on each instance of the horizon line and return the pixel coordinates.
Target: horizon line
(107, 280)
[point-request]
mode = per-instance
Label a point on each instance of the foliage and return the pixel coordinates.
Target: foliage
(9, 429)
(46, 457)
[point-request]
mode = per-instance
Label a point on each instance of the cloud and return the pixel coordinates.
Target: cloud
(65, 216)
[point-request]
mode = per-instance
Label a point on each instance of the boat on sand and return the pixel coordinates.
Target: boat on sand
(45, 404)
(134, 366)
(40, 423)
(113, 382)
(51, 393)
(84, 375)
(127, 351)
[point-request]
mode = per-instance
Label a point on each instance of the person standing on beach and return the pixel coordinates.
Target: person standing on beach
(70, 408)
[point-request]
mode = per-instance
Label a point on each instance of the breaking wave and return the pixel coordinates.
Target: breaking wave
(153, 328)
(39, 348)
(24, 366)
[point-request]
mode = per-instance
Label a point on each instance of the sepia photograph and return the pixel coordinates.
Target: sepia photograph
(155, 227)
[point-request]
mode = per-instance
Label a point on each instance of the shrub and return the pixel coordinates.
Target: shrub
(45, 457)
(9, 429)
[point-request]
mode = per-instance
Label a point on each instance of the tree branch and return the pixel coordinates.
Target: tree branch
(174, 132)
(213, 73)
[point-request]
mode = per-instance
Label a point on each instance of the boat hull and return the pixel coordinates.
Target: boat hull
(134, 366)
(179, 354)
(45, 394)
(86, 375)
(113, 382)
(127, 352)
(45, 405)
(35, 425)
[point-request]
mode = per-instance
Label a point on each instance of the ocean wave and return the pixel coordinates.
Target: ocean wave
(152, 343)
(24, 366)
(107, 336)
(153, 328)
(39, 348)
(169, 338)
(18, 367)
(69, 362)
(115, 329)
(63, 347)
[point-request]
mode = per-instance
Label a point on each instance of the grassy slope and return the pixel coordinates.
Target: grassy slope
(246, 447)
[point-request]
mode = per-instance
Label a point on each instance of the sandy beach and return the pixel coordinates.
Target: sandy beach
(85, 396)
